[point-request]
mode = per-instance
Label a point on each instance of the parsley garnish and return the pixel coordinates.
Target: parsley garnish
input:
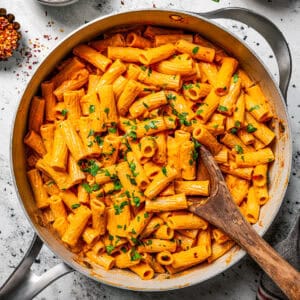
(164, 170)
(234, 130)
(199, 112)
(235, 78)
(109, 249)
(146, 105)
(89, 166)
(187, 86)
(132, 167)
(117, 185)
(64, 112)
(135, 255)
(99, 140)
(112, 130)
(222, 108)
(92, 108)
(195, 50)
(151, 125)
(250, 128)
(91, 188)
(119, 208)
(254, 107)
(132, 180)
(136, 200)
(238, 149)
(76, 205)
(146, 215)
(106, 110)
(237, 124)
(144, 68)
(91, 133)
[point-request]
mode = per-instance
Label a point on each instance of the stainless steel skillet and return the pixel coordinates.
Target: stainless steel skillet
(23, 283)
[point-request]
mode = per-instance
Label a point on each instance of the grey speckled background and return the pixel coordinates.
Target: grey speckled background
(44, 27)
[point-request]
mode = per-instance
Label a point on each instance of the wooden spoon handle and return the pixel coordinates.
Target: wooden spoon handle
(282, 273)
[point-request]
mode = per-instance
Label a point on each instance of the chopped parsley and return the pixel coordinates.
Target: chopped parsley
(151, 125)
(76, 205)
(119, 208)
(237, 124)
(135, 256)
(90, 144)
(222, 108)
(92, 108)
(106, 110)
(112, 130)
(117, 185)
(238, 149)
(132, 180)
(234, 130)
(195, 50)
(132, 167)
(99, 140)
(109, 249)
(89, 166)
(187, 86)
(250, 128)
(235, 78)
(146, 215)
(91, 188)
(149, 242)
(254, 107)
(64, 112)
(144, 68)
(91, 133)
(146, 105)
(199, 112)
(171, 97)
(136, 200)
(164, 170)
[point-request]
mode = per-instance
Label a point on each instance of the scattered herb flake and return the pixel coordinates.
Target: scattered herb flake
(195, 50)
(76, 205)
(250, 128)
(92, 108)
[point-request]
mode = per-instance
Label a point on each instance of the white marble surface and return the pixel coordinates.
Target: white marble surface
(44, 27)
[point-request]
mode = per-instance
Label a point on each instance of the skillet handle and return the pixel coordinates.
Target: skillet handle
(269, 31)
(23, 284)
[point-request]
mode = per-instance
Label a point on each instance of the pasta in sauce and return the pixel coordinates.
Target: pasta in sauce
(113, 148)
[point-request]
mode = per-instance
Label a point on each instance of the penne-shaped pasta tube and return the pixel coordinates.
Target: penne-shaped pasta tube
(186, 221)
(110, 150)
(128, 54)
(192, 188)
(160, 181)
(59, 152)
(260, 173)
(187, 160)
(39, 192)
(160, 156)
(143, 270)
(72, 103)
(36, 114)
(60, 225)
(199, 52)
(190, 257)
(92, 56)
(228, 67)
(47, 133)
(208, 106)
(135, 40)
(217, 250)
(164, 258)
(201, 134)
(127, 259)
(164, 232)
(76, 226)
(98, 216)
(104, 260)
(130, 92)
(154, 55)
(147, 103)
(73, 141)
(252, 159)
(252, 208)
(34, 141)
(107, 104)
(166, 81)
(156, 245)
(167, 203)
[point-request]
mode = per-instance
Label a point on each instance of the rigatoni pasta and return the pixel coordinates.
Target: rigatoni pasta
(113, 148)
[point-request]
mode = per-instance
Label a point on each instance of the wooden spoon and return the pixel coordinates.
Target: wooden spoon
(220, 210)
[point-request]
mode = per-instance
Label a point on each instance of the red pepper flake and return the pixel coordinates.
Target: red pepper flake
(9, 35)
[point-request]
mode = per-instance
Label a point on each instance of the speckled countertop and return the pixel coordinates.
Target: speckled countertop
(42, 28)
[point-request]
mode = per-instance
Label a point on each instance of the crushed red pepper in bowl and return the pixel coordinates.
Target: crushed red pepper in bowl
(9, 35)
